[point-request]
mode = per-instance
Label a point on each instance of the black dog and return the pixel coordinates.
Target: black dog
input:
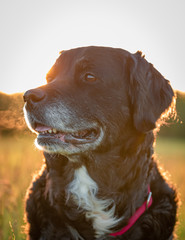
(95, 121)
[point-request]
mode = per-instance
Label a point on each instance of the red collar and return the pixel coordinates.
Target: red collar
(136, 215)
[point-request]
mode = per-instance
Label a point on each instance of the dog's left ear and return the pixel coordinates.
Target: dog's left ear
(150, 93)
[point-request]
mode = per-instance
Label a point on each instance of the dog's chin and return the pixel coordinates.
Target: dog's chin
(66, 143)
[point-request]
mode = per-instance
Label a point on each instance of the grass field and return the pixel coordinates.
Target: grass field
(19, 160)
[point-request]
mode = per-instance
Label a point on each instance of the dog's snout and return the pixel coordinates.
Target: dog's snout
(34, 95)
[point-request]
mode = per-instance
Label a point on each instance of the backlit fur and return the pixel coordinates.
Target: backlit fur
(91, 187)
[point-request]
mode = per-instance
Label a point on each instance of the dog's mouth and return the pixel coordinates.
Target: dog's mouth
(75, 137)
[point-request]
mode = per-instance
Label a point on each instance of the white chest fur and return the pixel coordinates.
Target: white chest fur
(83, 190)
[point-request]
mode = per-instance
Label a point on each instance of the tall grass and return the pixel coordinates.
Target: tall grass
(171, 156)
(19, 159)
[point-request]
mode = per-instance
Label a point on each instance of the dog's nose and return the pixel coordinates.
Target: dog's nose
(34, 95)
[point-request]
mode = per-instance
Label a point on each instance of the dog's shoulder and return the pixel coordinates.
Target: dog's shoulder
(162, 214)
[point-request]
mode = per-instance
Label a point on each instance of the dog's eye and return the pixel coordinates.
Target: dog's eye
(90, 77)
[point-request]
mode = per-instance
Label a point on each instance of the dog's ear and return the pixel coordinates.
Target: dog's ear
(150, 93)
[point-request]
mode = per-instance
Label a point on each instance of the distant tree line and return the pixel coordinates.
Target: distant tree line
(176, 127)
(11, 113)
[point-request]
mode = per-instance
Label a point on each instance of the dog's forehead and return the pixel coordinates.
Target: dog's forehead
(93, 51)
(93, 55)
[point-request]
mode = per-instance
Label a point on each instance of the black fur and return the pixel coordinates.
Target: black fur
(127, 99)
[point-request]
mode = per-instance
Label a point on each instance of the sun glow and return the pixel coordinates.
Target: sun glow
(171, 111)
(32, 74)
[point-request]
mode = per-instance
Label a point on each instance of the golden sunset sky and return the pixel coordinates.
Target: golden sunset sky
(34, 31)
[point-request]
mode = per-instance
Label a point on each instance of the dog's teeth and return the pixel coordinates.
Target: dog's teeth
(54, 130)
(50, 131)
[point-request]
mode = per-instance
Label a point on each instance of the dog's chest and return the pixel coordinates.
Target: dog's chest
(83, 190)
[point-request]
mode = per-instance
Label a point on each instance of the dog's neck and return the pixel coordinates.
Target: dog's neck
(107, 176)
(115, 171)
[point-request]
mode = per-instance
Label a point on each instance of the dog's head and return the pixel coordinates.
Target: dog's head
(95, 96)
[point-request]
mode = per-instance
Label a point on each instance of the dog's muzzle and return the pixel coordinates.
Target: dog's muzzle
(53, 133)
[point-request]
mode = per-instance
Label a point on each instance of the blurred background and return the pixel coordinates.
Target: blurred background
(33, 32)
